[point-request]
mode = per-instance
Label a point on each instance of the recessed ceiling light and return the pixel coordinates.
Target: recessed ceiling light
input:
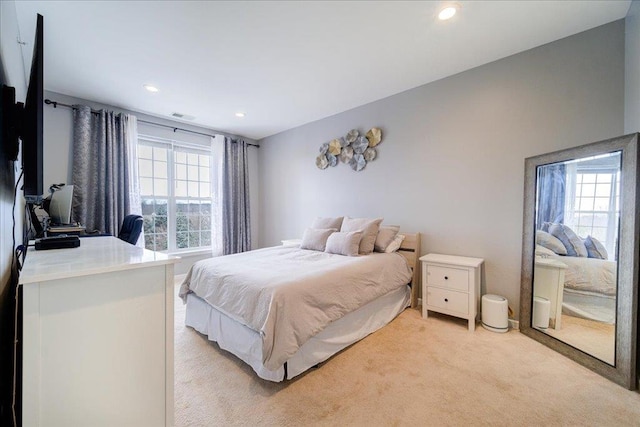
(447, 12)
(240, 114)
(151, 88)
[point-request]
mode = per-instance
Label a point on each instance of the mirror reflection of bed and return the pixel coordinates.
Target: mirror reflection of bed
(577, 214)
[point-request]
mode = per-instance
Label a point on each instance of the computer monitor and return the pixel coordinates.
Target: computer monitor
(60, 206)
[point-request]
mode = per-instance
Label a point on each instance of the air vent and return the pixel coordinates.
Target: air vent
(182, 116)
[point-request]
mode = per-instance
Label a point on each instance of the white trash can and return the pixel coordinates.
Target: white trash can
(495, 313)
(541, 308)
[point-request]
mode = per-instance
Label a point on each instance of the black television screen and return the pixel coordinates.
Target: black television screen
(32, 123)
(24, 122)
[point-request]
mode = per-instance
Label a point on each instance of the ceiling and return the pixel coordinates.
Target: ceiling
(282, 63)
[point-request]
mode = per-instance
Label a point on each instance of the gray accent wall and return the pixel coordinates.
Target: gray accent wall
(451, 164)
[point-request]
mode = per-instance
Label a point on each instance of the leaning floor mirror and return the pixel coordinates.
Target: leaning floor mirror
(579, 289)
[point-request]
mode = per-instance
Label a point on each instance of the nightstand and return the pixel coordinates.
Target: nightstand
(548, 282)
(451, 285)
(291, 242)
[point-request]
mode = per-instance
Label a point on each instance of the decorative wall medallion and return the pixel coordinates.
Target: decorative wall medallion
(374, 136)
(335, 147)
(358, 162)
(353, 148)
(322, 162)
(370, 154)
(346, 154)
(360, 145)
(352, 136)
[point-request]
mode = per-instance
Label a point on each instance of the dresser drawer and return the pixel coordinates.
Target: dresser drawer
(448, 300)
(447, 277)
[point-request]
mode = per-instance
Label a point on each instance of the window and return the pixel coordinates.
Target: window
(593, 202)
(175, 189)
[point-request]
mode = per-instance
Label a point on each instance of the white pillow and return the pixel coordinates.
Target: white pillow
(316, 238)
(543, 252)
(344, 243)
(327, 223)
(395, 244)
(550, 242)
(386, 234)
(369, 228)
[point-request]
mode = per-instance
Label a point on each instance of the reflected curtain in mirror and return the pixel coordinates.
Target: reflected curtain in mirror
(550, 206)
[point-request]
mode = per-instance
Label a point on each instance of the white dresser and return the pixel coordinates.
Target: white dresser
(451, 285)
(97, 336)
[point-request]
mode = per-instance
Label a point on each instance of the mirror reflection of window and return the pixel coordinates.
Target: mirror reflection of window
(593, 207)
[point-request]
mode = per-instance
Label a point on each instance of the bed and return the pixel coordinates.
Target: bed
(283, 310)
(589, 286)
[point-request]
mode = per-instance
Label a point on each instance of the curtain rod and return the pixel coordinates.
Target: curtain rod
(175, 129)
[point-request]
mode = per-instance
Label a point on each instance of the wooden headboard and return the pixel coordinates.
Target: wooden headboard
(410, 249)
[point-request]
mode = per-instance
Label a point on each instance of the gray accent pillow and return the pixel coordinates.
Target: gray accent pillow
(327, 223)
(595, 249)
(316, 238)
(344, 243)
(550, 242)
(386, 234)
(574, 244)
(369, 228)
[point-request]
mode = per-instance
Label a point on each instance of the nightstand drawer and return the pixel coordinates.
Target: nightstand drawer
(446, 277)
(448, 300)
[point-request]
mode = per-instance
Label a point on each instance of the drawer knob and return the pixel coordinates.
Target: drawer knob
(446, 300)
(446, 277)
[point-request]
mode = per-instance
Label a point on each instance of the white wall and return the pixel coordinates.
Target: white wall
(451, 164)
(58, 140)
(632, 69)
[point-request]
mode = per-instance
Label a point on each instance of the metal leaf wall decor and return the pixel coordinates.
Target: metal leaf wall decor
(353, 149)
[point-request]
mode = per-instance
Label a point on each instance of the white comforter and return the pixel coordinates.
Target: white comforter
(589, 274)
(288, 294)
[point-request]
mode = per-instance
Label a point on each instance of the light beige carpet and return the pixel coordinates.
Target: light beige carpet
(596, 338)
(412, 372)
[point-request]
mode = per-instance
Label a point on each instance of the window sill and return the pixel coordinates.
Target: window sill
(191, 252)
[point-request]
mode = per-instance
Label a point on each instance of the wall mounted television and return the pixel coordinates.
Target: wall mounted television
(24, 122)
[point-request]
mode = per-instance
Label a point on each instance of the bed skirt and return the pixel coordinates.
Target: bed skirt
(589, 305)
(246, 344)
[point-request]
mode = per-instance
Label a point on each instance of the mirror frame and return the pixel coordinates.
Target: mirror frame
(624, 371)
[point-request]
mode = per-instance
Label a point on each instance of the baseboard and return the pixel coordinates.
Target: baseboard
(514, 324)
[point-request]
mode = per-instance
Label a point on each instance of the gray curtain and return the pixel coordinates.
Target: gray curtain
(236, 219)
(551, 194)
(101, 178)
